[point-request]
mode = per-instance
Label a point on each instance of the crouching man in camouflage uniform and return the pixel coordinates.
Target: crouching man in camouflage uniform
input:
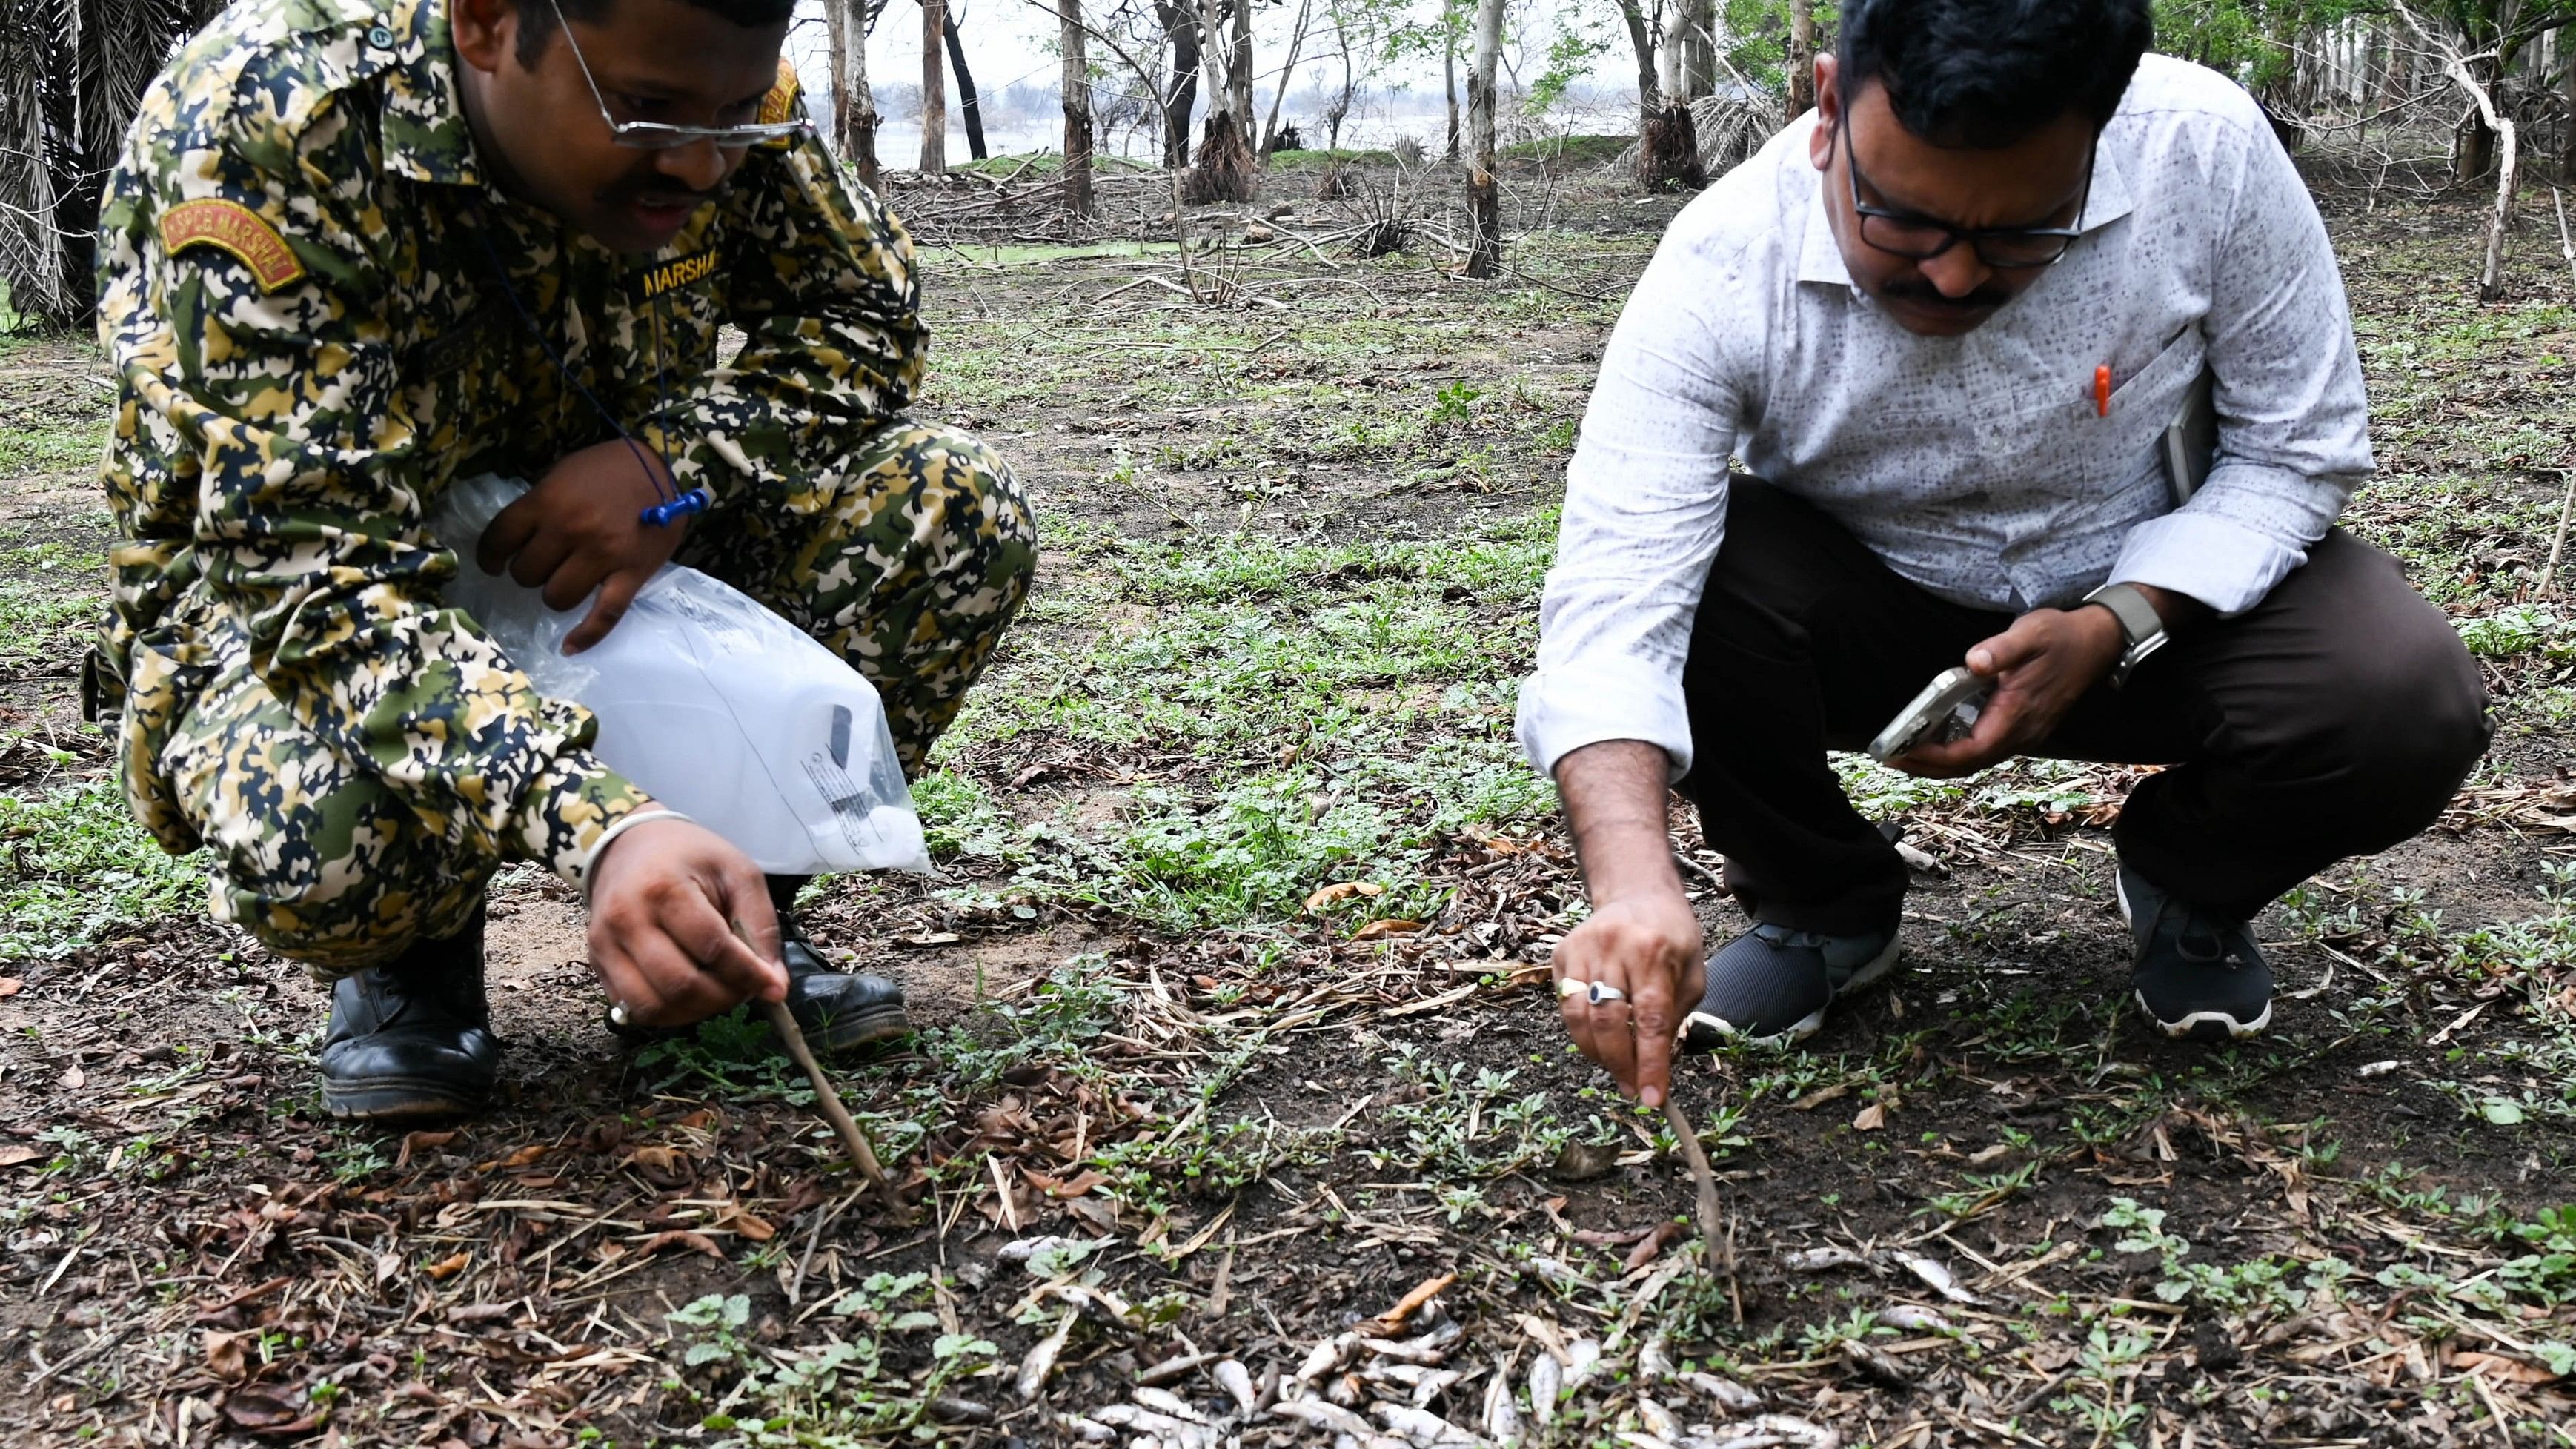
(359, 248)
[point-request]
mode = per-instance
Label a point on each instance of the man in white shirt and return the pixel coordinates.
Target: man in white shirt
(1943, 324)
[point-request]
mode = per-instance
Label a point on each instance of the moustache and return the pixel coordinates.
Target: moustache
(1931, 298)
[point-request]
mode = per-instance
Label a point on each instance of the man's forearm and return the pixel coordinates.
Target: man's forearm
(1615, 794)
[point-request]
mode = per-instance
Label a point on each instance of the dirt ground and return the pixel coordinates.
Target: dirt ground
(1235, 1076)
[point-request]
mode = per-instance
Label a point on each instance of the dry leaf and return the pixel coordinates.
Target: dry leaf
(703, 1117)
(1871, 1118)
(2500, 1368)
(262, 1412)
(750, 1225)
(11, 985)
(1394, 1319)
(73, 1077)
(13, 1155)
(1652, 1244)
(446, 1268)
(1376, 930)
(1820, 1097)
(421, 1142)
(524, 1155)
(224, 1354)
(1341, 891)
(699, 1241)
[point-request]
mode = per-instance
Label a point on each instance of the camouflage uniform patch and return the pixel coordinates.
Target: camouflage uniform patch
(294, 694)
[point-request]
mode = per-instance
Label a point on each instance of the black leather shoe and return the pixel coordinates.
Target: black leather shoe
(838, 1011)
(412, 1040)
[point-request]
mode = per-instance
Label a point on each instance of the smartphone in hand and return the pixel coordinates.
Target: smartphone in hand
(1946, 710)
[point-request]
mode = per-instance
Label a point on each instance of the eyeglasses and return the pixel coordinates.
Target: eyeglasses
(656, 136)
(1918, 238)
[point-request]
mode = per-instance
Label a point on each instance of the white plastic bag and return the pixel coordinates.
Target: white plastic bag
(717, 707)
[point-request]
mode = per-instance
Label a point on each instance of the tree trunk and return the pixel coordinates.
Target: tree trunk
(1667, 137)
(1222, 169)
(1181, 25)
(934, 87)
(1077, 108)
(1801, 61)
(1484, 194)
(966, 99)
(1239, 68)
(854, 108)
(1449, 70)
(1698, 49)
(1641, 38)
(2566, 138)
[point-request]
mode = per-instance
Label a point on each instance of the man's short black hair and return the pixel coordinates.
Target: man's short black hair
(1985, 73)
(537, 18)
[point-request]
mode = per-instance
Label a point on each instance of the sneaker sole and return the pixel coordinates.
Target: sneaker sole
(2207, 1025)
(1867, 976)
(2199, 1025)
(399, 1099)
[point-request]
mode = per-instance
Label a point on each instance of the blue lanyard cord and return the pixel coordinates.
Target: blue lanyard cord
(670, 508)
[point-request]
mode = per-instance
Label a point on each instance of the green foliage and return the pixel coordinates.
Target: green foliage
(83, 868)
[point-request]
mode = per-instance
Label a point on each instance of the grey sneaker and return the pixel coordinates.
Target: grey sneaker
(1774, 984)
(2198, 975)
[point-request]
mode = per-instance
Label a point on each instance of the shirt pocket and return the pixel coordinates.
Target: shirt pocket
(2151, 397)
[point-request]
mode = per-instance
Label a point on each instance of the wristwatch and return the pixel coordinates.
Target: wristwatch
(2140, 624)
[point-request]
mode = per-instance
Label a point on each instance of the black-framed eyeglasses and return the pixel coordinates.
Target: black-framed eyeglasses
(656, 136)
(1919, 238)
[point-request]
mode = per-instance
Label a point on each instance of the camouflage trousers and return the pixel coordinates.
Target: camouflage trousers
(909, 563)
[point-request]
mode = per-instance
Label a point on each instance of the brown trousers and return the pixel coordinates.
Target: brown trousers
(2333, 719)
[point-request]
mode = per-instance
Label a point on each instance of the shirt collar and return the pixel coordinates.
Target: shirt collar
(1820, 259)
(426, 136)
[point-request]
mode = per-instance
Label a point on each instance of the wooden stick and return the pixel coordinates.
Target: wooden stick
(1710, 1229)
(829, 1101)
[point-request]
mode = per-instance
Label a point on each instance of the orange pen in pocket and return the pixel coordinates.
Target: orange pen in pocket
(2102, 390)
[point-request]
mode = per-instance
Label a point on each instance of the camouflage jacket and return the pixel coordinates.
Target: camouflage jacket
(299, 265)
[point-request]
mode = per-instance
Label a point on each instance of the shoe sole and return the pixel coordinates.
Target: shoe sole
(398, 1099)
(875, 1026)
(1867, 976)
(2198, 1025)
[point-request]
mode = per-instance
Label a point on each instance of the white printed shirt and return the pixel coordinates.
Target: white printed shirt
(1977, 467)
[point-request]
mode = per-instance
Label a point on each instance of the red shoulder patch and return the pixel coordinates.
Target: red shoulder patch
(232, 227)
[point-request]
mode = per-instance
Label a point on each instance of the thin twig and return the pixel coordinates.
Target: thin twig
(829, 1101)
(2558, 545)
(1711, 1230)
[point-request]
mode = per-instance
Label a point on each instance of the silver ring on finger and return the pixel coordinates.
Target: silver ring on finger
(619, 1016)
(1603, 993)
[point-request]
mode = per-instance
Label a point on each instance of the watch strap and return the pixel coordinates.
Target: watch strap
(2139, 621)
(2140, 625)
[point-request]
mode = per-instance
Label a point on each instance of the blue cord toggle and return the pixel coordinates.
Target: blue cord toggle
(662, 515)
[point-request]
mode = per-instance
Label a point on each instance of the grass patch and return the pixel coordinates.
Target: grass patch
(61, 448)
(83, 869)
(1586, 150)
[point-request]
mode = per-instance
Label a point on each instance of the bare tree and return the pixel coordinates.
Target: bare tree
(1668, 138)
(2462, 69)
(1077, 108)
(1484, 196)
(1287, 68)
(854, 107)
(934, 87)
(1222, 169)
